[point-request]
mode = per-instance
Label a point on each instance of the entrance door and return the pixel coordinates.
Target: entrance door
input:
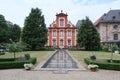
(61, 44)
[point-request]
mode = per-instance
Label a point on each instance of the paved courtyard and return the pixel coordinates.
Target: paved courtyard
(21, 74)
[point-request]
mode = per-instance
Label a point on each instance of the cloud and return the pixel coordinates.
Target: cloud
(92, 2)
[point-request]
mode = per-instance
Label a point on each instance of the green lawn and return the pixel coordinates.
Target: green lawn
(80, 55)
(40, 55)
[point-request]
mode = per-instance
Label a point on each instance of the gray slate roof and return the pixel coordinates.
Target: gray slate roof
(111, 16)
(78, 23)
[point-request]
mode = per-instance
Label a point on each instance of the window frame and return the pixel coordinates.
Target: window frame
(61, 34)
(54, 33)
(61, 22)
(115, 27)
(115, 36)
(69, 33)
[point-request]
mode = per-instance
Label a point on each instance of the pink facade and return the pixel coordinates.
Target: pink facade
(62, 33)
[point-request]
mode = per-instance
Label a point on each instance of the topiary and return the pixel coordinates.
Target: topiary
(27, 56)
(93, 57)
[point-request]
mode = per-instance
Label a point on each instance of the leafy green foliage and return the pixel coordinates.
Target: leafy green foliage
(105, 48)
(104, 65)
(9, 63)
(114, 47)
(35, 31)
(15, 32)
(15, 47)
(87, 36)
(4, 30)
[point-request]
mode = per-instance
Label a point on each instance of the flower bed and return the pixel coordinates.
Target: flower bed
(104, 65)
(5, 64)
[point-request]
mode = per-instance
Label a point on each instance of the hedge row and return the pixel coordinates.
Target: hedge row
(2, 53)
(104, 65)
(6, 59)
(16, 64)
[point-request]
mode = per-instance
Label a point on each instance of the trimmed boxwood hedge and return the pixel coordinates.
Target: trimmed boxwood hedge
(2, 53)
(6, 59)
(9, 63)
(104, 65)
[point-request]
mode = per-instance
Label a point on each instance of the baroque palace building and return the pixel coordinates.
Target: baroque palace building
(108, 26)
(62, 33)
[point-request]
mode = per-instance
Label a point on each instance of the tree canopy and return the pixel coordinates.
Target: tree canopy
(87, 36)
(34, 31)
(4, 30)
(14, 47)
(15, 32)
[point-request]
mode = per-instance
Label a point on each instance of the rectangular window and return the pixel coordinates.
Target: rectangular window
(115, 36)
(54, 34)
(61, 33)
(61, 22)
(69, 34)
(54, 42)
(61, 42)
(69, 43)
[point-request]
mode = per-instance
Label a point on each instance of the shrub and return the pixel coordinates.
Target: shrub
(104, 65)
(10, 63)
(2, 53)
(6, 59)
(114, 47)
(27, 56)
(105, 48)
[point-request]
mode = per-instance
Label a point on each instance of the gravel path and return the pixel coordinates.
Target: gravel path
(21, 74)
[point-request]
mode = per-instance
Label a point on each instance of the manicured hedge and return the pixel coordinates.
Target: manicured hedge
(2, 53)
(6, 59)
(104, 65)
(15, 64)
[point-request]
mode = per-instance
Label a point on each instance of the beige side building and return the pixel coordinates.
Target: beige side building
(108, 26)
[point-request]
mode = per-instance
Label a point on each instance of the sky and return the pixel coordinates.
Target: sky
(17, 10)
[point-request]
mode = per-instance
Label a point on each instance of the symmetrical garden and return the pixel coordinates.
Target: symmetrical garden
(27, 44)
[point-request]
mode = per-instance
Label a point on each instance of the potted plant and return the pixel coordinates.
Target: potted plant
(93, 67)
(28, 66)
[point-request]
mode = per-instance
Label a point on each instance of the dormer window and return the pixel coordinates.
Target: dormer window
(61, 22)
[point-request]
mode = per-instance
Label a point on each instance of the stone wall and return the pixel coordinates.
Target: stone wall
(107, 31)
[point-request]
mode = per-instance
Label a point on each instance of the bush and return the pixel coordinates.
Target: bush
(2, 53)
(10, 63)
(27, 56)
(105, 48)
(104, 65)
(114, 47)
(6, 59)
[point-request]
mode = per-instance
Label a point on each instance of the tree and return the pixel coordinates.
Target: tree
(15, 47)
(4, 30)
(34, 30)
(114, 47)
(87, 36)
(15, 32)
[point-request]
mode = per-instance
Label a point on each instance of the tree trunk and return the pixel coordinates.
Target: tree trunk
(111, 57)
(14, 55)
